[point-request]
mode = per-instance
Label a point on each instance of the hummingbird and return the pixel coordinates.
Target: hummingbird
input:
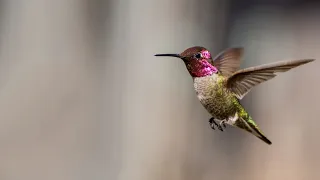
(220, 84)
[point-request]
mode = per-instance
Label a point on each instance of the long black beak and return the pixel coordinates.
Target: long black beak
(171, 55)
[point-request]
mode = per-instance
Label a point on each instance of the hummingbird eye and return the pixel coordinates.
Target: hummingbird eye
(198, 56)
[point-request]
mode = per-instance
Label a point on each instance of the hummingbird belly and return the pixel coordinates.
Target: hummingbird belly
(213, 95)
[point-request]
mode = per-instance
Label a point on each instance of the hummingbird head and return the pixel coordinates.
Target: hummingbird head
(198, 61)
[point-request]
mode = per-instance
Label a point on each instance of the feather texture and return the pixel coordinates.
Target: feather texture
(242, 81)
(228, 61)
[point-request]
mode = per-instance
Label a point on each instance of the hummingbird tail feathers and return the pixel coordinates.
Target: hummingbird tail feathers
(257, 131)
(265, 139)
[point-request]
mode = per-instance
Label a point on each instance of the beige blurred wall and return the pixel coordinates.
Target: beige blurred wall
(48, 92)
(83, 97)
(66, 117)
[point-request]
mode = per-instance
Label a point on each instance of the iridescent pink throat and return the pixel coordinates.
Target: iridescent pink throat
(202, 68)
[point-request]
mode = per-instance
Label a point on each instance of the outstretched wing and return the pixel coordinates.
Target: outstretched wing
(242, 81)
(228, 61)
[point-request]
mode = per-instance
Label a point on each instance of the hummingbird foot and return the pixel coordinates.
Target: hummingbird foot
(220, 125)
(212, 122)
(223, 123)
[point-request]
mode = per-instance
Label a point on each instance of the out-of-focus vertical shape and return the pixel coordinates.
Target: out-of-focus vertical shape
(285, 107)
(106, 151)
(48, 91)
(306, 87)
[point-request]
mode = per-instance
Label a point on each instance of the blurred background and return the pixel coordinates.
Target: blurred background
(82, 96)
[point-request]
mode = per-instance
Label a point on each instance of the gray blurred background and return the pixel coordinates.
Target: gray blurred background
(83, 98)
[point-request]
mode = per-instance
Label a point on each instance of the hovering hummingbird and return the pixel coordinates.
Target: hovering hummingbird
(220, 85)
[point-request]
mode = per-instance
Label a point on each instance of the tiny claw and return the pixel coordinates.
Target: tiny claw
(222, 123)
(220, 128)
(211, 120)
(212, 123)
